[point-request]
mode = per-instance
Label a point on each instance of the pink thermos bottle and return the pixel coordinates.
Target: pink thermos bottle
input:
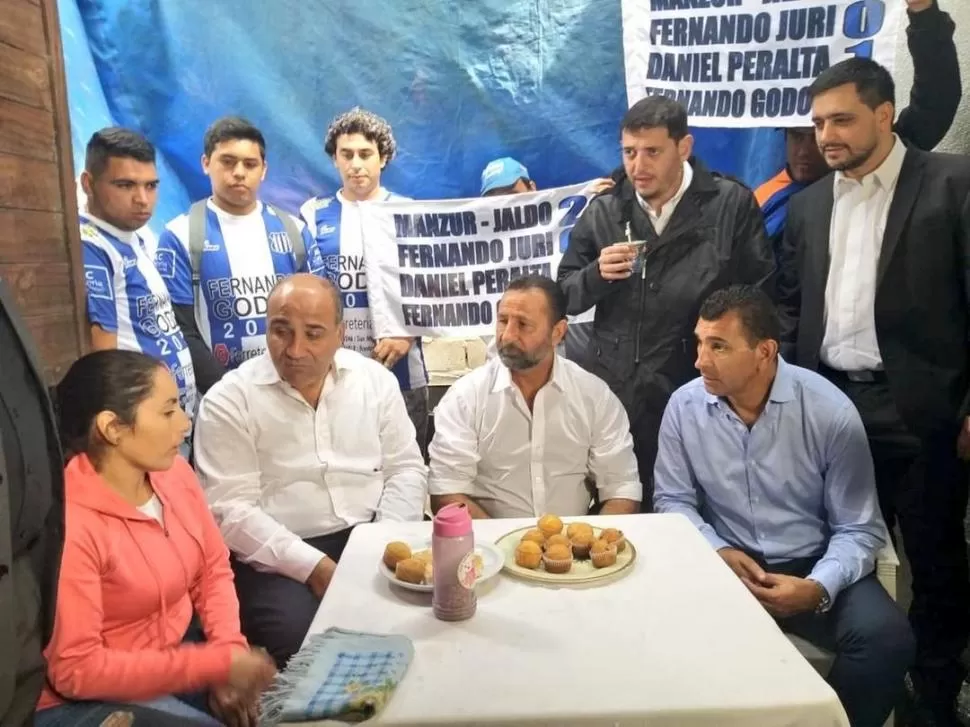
(453, 560)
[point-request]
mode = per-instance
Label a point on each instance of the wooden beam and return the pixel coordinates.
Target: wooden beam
(26, 131)
(22, 26)
(25, 77)
(29, 184)
(27, 236)
(65, 161)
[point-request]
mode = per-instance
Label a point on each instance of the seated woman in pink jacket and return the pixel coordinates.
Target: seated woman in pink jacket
(142, 554)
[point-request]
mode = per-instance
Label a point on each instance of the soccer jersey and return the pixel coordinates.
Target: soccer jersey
(126, 296)
(336, 229)
(243, 257)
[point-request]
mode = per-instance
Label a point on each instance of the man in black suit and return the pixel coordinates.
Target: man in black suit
(874, 281)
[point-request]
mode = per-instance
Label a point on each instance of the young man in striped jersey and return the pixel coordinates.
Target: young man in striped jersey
(221, 259)
(361, 145)
(128, 305)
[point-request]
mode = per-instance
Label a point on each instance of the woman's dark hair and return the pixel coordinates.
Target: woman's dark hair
(115, 381)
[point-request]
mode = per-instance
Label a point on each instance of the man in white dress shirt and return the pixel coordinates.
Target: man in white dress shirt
(531, 432)
(296, 447)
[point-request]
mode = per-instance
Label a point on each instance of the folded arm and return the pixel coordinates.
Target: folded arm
(612, 463)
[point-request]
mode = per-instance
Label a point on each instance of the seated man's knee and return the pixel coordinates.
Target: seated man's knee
(884, 635)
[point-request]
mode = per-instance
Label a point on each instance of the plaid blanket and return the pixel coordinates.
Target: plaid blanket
(345, 676)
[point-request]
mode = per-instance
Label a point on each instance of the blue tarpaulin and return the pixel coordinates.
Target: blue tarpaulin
(460, 82)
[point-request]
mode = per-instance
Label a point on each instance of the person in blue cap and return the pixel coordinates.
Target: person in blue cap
(506, 176)
(510, 176)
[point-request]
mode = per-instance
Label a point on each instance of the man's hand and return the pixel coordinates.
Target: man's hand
(234, 709)
(744, 566)
(785, 596)
(391, 350)
(963, 440)
(319, 579)
(918, 6)
(616, 261)
(600, 186)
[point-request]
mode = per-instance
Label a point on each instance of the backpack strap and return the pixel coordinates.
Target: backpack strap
(292, 232)
(196, 242)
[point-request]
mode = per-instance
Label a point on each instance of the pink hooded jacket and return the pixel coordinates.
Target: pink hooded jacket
(127, 589)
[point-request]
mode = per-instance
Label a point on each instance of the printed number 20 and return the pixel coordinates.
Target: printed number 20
(863, 19)
(574, 205)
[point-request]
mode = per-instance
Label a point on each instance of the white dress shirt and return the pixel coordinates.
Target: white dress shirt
(661, 218)
(277, 471)
(858, 224)
(516, 463)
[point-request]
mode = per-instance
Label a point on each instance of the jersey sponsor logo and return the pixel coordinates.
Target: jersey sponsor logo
(127, 263)
(165, 263)
(326, 229)
(97, 280)
(279, 242)
(221, 352)
(235, 298)
(210, 247)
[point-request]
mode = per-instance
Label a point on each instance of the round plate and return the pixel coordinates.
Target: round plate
(582, 573)
(492, 561)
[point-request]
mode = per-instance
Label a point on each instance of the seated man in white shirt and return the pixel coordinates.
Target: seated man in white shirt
(531, 433)
(294, 448)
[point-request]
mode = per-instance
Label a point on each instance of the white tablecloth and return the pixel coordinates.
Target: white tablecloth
(678, 641)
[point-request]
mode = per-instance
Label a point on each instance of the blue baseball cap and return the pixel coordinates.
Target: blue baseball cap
(502, 172)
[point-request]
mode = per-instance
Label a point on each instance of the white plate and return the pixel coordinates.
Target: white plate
(493, 560)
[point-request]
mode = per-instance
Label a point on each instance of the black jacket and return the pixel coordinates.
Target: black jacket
(642, 343)
(32, 529)
(922, 297)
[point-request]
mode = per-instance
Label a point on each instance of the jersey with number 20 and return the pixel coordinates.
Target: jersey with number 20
(243, 257)
(126, 296)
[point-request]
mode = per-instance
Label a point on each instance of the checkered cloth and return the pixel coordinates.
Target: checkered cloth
(346, 676)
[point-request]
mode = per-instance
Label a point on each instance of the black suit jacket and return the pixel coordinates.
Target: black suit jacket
(922, 303)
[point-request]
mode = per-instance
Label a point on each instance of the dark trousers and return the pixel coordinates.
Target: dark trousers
(645, 431)
(872, 641)
(416, 402)
(922, 488)
(275, 611)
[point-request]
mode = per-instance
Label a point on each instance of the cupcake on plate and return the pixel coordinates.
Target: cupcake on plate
(603, 554)
(581, 543)
(558, 539)
(394, 553)
(536, 536)
(528, 554)
(614, 536)
(550, 525)
(575, 528)
(557, 559)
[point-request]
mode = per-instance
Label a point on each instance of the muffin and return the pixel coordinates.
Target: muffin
(581, 543)
(550, 525)
(576, 528)
(394, 553)
(557, 559)
(603, 554)
(558, 539)
(528, 554)
(536, 536)
(410, 570)
(614, 536)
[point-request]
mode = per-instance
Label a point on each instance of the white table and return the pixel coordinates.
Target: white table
(678, 641)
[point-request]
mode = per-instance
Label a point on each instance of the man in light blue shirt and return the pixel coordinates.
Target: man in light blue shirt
(771, 463)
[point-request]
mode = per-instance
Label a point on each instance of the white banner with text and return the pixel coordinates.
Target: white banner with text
(747, 63)
(440, 268)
